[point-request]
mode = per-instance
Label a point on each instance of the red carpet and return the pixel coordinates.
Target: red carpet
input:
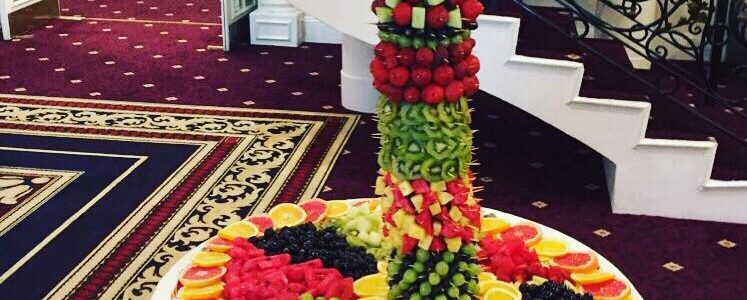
(523, 160)
(196, 11)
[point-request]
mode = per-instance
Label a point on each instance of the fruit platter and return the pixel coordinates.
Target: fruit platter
(335, 250)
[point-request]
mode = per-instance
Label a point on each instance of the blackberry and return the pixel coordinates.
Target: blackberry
(305, 242)
(550, 291)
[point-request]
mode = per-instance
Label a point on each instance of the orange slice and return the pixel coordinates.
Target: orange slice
(486, 286)
(240, 229)
(591, 277)
(576, 262)
(337, 208)
(492, 226)
(210, 259)
(530, 233)
(500, 293)
(194, 276)
(207, 292)
(613, 289)
(287, 214)
(371, 285)
(486, 276)
(551, 248)
(218, 244)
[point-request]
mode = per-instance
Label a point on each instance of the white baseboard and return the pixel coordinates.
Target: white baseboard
(318, 32)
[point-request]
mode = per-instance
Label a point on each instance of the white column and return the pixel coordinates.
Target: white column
(276, 23)
(358, 93)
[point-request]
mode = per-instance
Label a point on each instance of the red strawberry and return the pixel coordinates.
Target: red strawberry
(443, 74)
(424, 57)
(471, 9)
(457, 52)
(402, 14)
(473, 63)
(406, 56)
(441, 55)
(411, 95)
(455, 2)
(469, 44)
(433, 94)
(421, 76)
(394, 93)
(436, 17)
(454, 91)
(380, 75)
(385, 49)
(390, 62)
(471, 85)
(376, 63)
(461, 69)
(399, 76)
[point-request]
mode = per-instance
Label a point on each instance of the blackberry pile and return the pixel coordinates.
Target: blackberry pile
(305, 242)
(550, 291)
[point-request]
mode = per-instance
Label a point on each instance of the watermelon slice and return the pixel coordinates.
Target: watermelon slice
(316, 210)
(612, 289)
(195, 277)
(263, 222)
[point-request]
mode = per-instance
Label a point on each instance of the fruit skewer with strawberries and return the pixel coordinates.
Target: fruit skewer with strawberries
(425, 70)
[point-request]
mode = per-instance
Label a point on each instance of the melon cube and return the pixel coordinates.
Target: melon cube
(439, 186)
(435, 208)
(417, 201)
(380, 188)
(416, 232)
(455, 214)
(453, 244)
(384, 14)
(426, 242)
(444, 197)
(418, 18)
(405, 187)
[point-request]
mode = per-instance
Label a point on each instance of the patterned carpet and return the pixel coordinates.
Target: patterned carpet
(194, 11)
(100, 198)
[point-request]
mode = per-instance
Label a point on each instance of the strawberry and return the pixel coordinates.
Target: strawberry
(433, 94)
(399, 76)
(406, 56)
(457, 52)
(454, 91)
(443, 74)
(471, 85)
(379, 71)
(441, 55)
(424, 56)
(473, 64)
(390, 62)
(437, 16)
(385, 49)
(412, 94)
(461, 70)
(420, 76)
(469, 44)
(471, 9)
(394, 93)
(455, 2)
(402, 14)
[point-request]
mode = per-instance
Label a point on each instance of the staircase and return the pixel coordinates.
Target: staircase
(646, 176)
(657, 177)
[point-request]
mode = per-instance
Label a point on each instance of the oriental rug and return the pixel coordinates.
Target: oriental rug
(99, 198)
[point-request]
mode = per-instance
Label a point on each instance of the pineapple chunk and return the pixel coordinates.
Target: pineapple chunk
(444, 197)
(438, 186)
(416, 232)
(380, 188)
(399, 218)
(456, 214)
(435, 208)
(437, 228)
(417, 201)
(453, 244)
(425, 243)
(408, 221)
(405, 187)
(388, 199)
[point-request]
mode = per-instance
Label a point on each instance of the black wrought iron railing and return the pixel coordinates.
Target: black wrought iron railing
(698, 44)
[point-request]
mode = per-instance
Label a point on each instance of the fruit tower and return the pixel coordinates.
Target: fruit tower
(425, 71)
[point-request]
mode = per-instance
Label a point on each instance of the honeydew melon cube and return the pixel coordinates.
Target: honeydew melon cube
(455, 214)
(444, 197)
(384, 14)
(380, 186)
(416, 232)
(435, 208)
(405, 187)
(375, 238)
(426, 242)
(418, 18)
(417, 201)
(453, 244)
(435, 2)
(437, 228)
(388, 199)
(455, 18)
(438, 186)
(392, 3)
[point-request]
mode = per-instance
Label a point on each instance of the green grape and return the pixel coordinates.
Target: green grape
(425, 289)
(334, 298)
(442, 268)
(410, 276)
(395, 291)
(434, 278)
(458, 279)
(418, 267)
(453, 292)
(473, 287)
(469, 250)
(441, 297)
(319, 298)
(474, 269)
(415, 297)
(307, 296)
(422, 255)
(403, 285)
(462, 266)
(448, 257)
(465, 297)
(393, 268)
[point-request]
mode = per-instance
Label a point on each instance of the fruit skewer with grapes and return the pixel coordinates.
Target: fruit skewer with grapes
(425, 70)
